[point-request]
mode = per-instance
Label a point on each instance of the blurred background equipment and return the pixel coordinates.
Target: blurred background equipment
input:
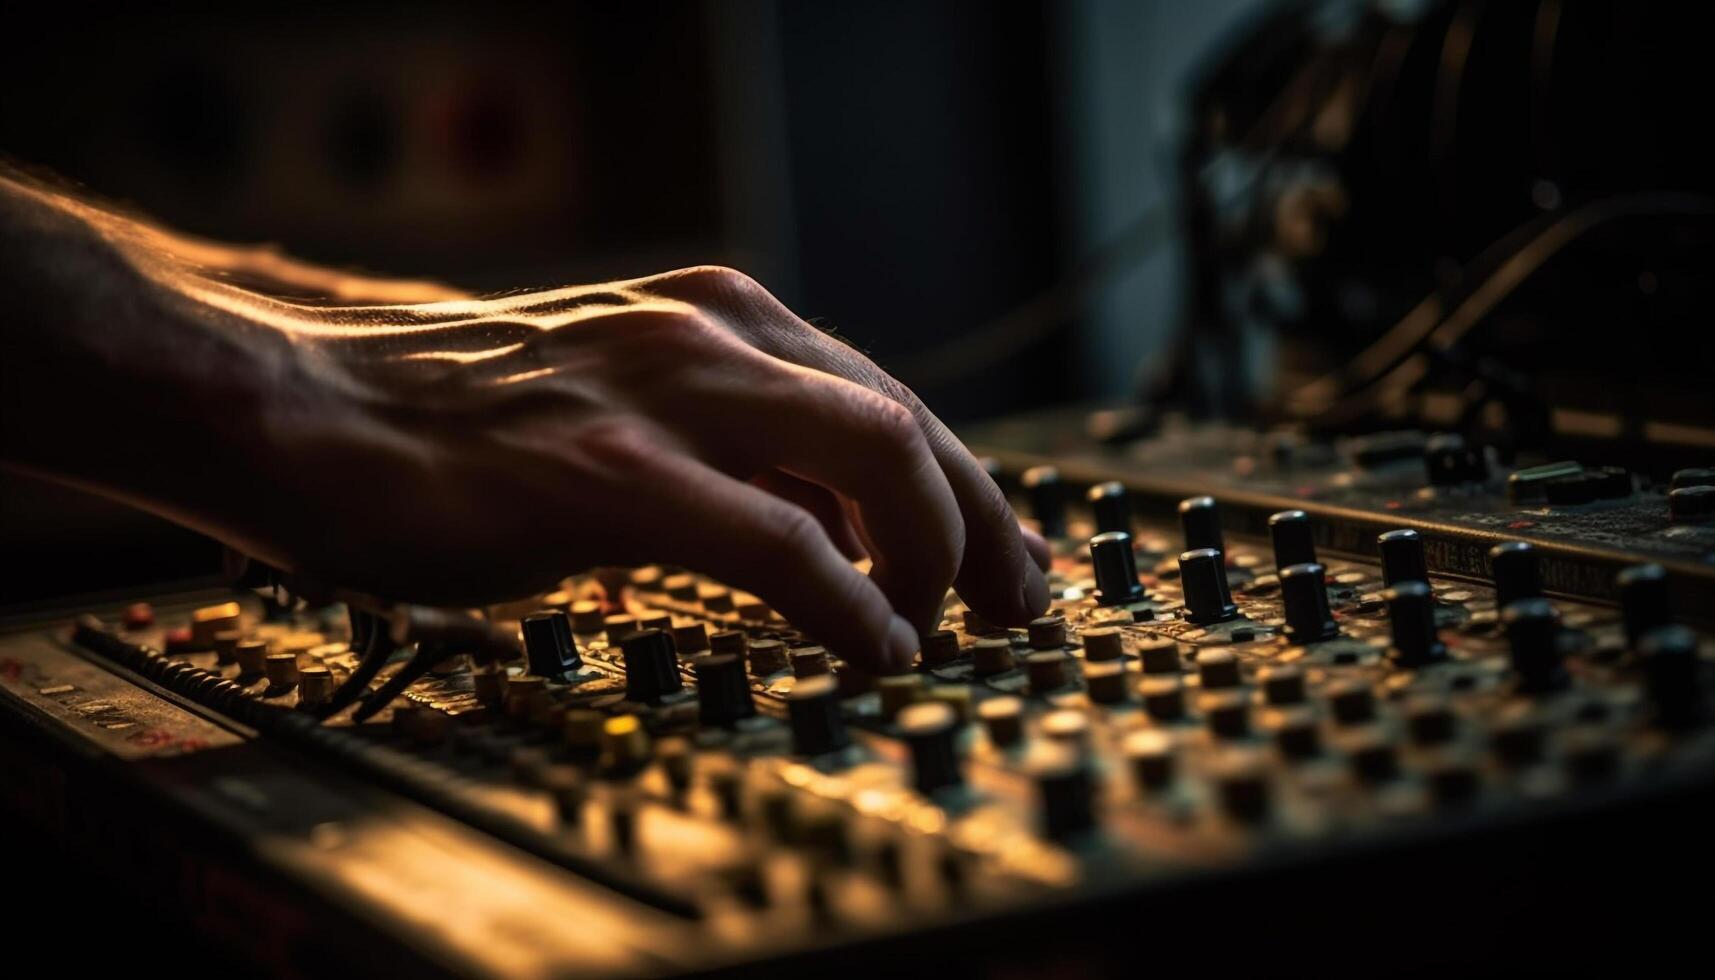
(1354, 355)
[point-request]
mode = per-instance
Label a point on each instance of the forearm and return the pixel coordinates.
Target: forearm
(462, 451)
(113, 374)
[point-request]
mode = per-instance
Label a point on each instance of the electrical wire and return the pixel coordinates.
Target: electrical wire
(1394, 362)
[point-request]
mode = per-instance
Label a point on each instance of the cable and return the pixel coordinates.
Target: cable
(1320, 400)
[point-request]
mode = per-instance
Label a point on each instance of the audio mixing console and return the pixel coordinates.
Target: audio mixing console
(1310, 703)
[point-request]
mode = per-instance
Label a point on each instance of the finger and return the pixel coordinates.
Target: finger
(1037, 545)
(999, 576)
(822, 504)
(869, 450)
(685, 513)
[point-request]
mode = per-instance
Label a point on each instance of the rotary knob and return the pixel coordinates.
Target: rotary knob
(1116, 569)
(1533, 634)
(651, 666)
(1047, 496)
(1691, 503)
(1402, 557)
(1111, 507)
(1448, 461)
(1200, 521)
(1514, 568)
(929, 730)
(1305, 592)
(1293, 538)
(1673, 677)
(1065, 793)
(723, 691)
(1411, 618)
(813, 712)
(1643, 600)
(1203, 578)
(548, 643)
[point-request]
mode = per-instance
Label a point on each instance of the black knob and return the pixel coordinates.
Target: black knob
(1227, 713)
(1411, 616)
(1449, 460)
(548, 643)
(1201, 522)
(1305, 592)
(1353, 702)
(1203, 579)
(813, 711)
(1672, 677)
(1047, 498)
(1533, 633)
(1116, 569)
(1570, 491)
(1513, 566)
(1218, 669)
(1293, 537)
(1431, 720)
(1111, 506)
(1066, 794)
(1643, 600)
(1283, 685)
(1611, 482)
(930, 729)
(723, 690)
(1402, 557)
(1691, 503)
(1695, 477)
(651, 665)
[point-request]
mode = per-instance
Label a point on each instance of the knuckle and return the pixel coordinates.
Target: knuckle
(717, 282)
(887, 421)
(617, 444)
(791, 531)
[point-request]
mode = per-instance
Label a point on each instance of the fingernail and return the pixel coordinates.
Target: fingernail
(1035, 590)
(902, 644)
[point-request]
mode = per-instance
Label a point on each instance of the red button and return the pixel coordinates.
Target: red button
(139, 615)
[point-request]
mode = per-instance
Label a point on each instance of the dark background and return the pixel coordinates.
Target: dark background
(902, 172)
(916, 175)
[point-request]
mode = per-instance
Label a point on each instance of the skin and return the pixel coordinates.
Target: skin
(416, 443)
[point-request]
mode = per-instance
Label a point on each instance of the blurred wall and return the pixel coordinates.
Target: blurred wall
(1128, 66)
(901, 172)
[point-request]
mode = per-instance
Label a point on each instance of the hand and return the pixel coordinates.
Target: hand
(479, 449)
(456, 451)
(450, 450)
